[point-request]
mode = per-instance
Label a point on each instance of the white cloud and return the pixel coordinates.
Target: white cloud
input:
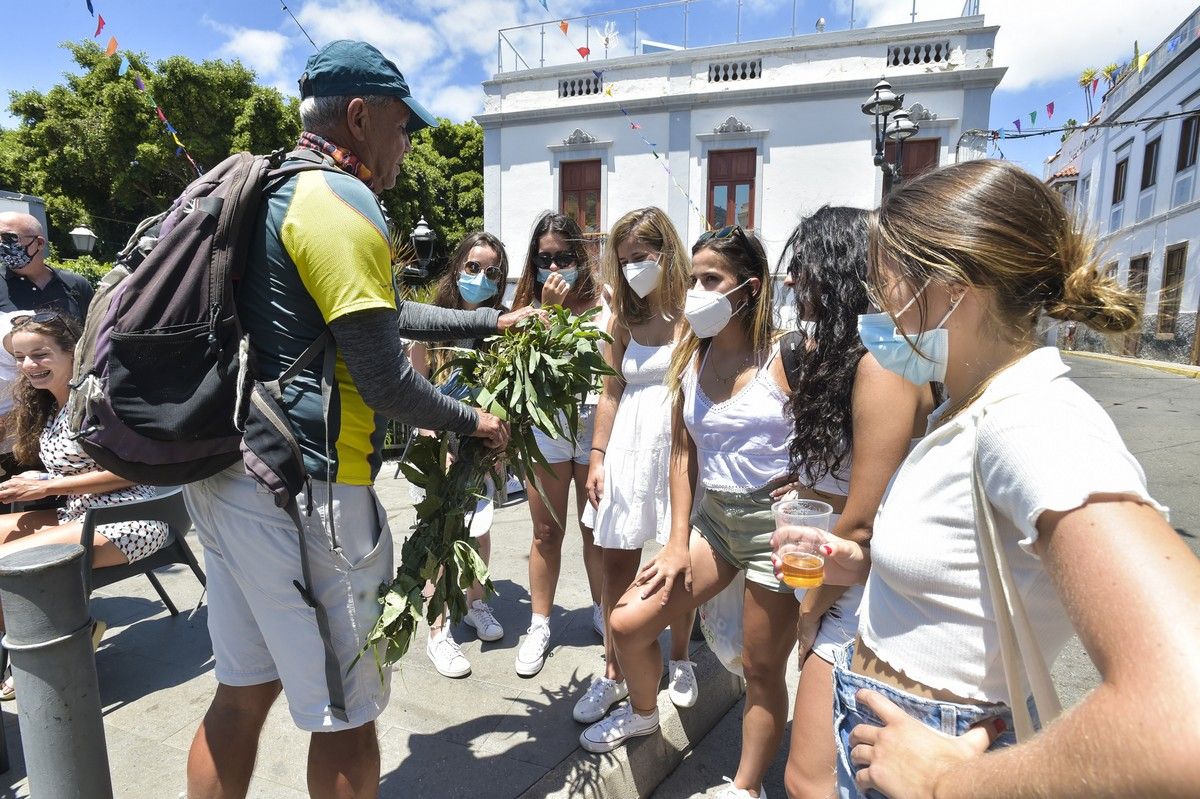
(261, 50)
(456, 103)
(410, 43)
(1042, 41)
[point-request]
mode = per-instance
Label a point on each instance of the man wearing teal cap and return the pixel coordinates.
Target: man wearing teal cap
(320, 261)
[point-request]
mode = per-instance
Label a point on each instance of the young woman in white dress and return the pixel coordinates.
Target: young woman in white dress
(648, 267)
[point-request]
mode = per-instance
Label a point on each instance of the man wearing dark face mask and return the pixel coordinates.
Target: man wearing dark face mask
(30, 284)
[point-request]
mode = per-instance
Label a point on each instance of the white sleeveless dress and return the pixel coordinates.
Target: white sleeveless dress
(636, 507)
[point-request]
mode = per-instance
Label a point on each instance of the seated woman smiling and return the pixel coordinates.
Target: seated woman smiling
(43, 345)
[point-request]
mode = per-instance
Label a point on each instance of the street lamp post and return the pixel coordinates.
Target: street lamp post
(423, 238)
(882, 104)
(83, 239)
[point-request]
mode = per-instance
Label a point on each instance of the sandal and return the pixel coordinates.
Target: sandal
(8, 691)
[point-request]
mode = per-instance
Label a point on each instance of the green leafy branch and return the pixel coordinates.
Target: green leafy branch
(535, 375)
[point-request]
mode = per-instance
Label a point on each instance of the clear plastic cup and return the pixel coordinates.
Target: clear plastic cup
(802, 563)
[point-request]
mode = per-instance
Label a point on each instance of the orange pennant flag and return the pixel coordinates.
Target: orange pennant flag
(563, 26)
(112, 46)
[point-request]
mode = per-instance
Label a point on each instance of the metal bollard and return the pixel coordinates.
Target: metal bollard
(49, 637)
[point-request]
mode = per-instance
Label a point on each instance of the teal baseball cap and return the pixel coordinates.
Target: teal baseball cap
(347, 67)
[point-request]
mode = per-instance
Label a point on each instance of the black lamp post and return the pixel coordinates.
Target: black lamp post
(422, 237)
(884, 103)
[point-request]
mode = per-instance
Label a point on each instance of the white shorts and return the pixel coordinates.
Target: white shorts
(485, 508)
(561, 450)
(261, 628)
(839, 625)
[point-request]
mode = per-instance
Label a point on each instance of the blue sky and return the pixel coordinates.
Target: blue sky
(446, 47)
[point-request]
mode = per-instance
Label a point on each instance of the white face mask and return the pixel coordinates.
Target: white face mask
(709, 311)
(642, 276)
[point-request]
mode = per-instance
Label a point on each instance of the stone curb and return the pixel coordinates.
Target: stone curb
(636, 769)
(1183, 370)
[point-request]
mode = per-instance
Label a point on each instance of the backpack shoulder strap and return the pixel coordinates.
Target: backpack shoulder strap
(791, 348)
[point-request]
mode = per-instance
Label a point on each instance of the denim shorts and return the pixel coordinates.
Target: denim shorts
(948, 717)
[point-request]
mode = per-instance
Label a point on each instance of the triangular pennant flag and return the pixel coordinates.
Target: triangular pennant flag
(1142, 59)
(123, 67)
(112, 46)
(1050, 110)
(171, 128)
(179, 151)
(91, 10)
(1033, 117)
(175, 136)
(1095, 85)
(563, 26)
(1017, 122)
(583, 52)
(608, 90)
(161, 115)
(599, 73)
(99, 26)
(543, 2)
(137, 81)
(635, 126)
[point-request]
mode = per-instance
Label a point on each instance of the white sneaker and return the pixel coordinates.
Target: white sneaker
(731, 791)
(681, 683)
(602, 694)
(607, 734)
(480, 617)
(514, 485)
(598, 620)
(531, 655)
(447, 658)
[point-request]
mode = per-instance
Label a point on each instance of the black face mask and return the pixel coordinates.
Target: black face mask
(12, 254)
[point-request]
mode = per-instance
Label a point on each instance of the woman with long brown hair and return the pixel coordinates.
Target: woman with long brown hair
(730, 435)
(1019, 519)
(43, 345)
(558, 271)
(474, 278)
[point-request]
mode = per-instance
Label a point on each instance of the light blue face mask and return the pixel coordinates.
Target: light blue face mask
(476, 288)
(569, 275)
(920, 358)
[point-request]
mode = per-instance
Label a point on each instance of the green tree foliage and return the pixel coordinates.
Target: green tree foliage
(95, 151)
(93, 148)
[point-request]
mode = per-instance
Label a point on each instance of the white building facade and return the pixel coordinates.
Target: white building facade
(1137, 187)
(755, 133)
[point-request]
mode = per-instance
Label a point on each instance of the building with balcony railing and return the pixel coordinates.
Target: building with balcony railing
(1137, 186)
(736, 131)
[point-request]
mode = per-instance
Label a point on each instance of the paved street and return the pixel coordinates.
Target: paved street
(495, 734)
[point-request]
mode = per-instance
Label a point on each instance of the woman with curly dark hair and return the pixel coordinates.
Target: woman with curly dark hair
(854, 421)
(43, 345)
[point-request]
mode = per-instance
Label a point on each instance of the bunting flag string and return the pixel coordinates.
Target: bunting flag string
(123, 65)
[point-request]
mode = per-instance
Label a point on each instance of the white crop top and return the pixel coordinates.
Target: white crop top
(1044, 445)
(741, 443)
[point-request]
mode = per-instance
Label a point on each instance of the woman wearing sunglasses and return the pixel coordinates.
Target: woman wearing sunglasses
(1020, 518)
(730, 435)
(558, 271)
(647, 264)
(43, 345)
(474, 278)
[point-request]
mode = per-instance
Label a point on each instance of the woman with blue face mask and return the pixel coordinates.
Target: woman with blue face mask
(854, 422)
(559, 271)
(475, 277)
(1020, 519)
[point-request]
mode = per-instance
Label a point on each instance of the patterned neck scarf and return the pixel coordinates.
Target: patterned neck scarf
(346, 160)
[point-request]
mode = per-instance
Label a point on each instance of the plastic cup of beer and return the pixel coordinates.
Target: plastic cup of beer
(800, 556)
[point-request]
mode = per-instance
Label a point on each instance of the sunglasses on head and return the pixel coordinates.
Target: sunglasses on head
(492, 273)
(730, 231)
(40, 317)
(562, 258)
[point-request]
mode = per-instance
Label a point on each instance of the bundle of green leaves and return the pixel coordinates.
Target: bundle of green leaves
(535, 375)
